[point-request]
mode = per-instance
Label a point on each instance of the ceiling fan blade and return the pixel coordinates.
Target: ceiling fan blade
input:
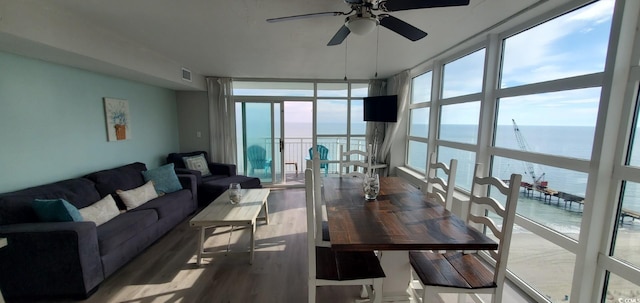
(342, 34)
(402, 28)
(401, 5)
(304, 16)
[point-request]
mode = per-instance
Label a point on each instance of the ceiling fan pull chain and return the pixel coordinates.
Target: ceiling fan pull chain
(345, 59)
(377, 49)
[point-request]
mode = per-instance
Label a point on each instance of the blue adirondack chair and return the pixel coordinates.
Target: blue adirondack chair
(257, 157)
(323, 152)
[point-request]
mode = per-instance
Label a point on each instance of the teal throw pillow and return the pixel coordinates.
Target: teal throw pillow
(164, 179)
(56, 210)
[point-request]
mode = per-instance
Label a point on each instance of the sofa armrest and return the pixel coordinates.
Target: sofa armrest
(222, 169)
(50, 259)
(186, 171)
(189, 182)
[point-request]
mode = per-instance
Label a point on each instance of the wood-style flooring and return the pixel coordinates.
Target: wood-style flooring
(167, 270)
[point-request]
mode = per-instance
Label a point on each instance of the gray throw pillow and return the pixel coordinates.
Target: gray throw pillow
(198, 163)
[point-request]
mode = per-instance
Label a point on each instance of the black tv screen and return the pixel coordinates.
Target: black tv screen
(381, 108)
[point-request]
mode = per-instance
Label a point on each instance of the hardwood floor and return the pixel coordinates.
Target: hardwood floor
(167, 271)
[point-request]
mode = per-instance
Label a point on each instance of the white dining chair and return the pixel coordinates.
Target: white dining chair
(322, 226)
(329, 267)
(443, 192)
(468, 273)
(359, 167)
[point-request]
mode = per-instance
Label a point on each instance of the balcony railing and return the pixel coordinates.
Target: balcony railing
(296, 150)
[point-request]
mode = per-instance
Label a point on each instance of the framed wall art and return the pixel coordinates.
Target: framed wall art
(118, 119)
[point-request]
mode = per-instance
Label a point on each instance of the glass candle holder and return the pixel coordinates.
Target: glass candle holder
(371, 187)
(235, 193)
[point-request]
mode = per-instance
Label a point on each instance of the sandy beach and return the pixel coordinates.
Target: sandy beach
(549, 268)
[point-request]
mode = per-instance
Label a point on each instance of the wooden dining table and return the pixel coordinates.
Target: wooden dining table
(402, 218)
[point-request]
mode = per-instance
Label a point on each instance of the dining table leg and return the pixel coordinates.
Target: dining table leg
(398, 276)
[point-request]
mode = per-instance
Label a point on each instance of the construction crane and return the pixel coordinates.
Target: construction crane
(522, 143)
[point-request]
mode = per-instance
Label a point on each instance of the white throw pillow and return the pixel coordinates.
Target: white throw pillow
(101, 211)
(135, 197)
(197, 163)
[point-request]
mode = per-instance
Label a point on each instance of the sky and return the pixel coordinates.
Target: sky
(571, 45)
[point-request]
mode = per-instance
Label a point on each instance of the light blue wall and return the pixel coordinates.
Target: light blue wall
(52, 122)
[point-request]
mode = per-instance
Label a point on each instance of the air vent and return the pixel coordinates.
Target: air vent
(186, 74)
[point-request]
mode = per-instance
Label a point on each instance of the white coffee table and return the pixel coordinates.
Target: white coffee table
(222, 213)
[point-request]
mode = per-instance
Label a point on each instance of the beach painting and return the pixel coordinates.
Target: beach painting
(117, 119)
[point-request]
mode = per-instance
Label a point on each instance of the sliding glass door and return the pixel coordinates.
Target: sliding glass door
(259, 140)
(278, 117)
(273, 140)
(298, 139)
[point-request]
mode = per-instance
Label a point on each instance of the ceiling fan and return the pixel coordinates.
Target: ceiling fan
(363, 19)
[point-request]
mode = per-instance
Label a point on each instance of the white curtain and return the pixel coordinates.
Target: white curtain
(398, 85)
(222, 120)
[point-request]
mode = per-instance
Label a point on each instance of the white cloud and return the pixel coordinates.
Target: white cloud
(535, 55)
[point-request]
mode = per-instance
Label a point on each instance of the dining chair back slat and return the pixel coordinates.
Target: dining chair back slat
(469, 273)
(311, 219)
(321, 225)
(481, 189)
(322, 230)
(443, 193)
(359, 167)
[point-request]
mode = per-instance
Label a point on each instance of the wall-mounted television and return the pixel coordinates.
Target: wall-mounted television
(381, 108)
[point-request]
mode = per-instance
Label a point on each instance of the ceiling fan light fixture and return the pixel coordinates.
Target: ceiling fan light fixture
(361, 25)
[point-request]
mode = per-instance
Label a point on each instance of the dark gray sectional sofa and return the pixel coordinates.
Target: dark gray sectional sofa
(70, 259)
(212, 186)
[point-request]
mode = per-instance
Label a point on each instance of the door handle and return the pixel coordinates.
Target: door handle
(281, 145)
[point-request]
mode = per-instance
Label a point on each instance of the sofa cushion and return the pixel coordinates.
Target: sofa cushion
(169, 204)
(122, 228)
(15, 207)
(135, 197)
(213, 177)
(123, 178)
(245, 182)
(198, 163)
(101, 211)
(164, 179)
(56, 210)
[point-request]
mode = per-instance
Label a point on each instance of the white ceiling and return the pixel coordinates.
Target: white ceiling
(232, 38)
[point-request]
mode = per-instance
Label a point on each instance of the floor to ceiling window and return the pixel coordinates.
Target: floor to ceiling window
(275, 125)
(622, 261)
(261, 125)
(339, 113)
(459, 113)
(537, 95)
(419, 112)
(548, 105)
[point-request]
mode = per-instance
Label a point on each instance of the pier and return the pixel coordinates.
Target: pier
(545, 194)
(629, 213)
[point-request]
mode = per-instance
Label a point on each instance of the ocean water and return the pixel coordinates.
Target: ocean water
(568, 141)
